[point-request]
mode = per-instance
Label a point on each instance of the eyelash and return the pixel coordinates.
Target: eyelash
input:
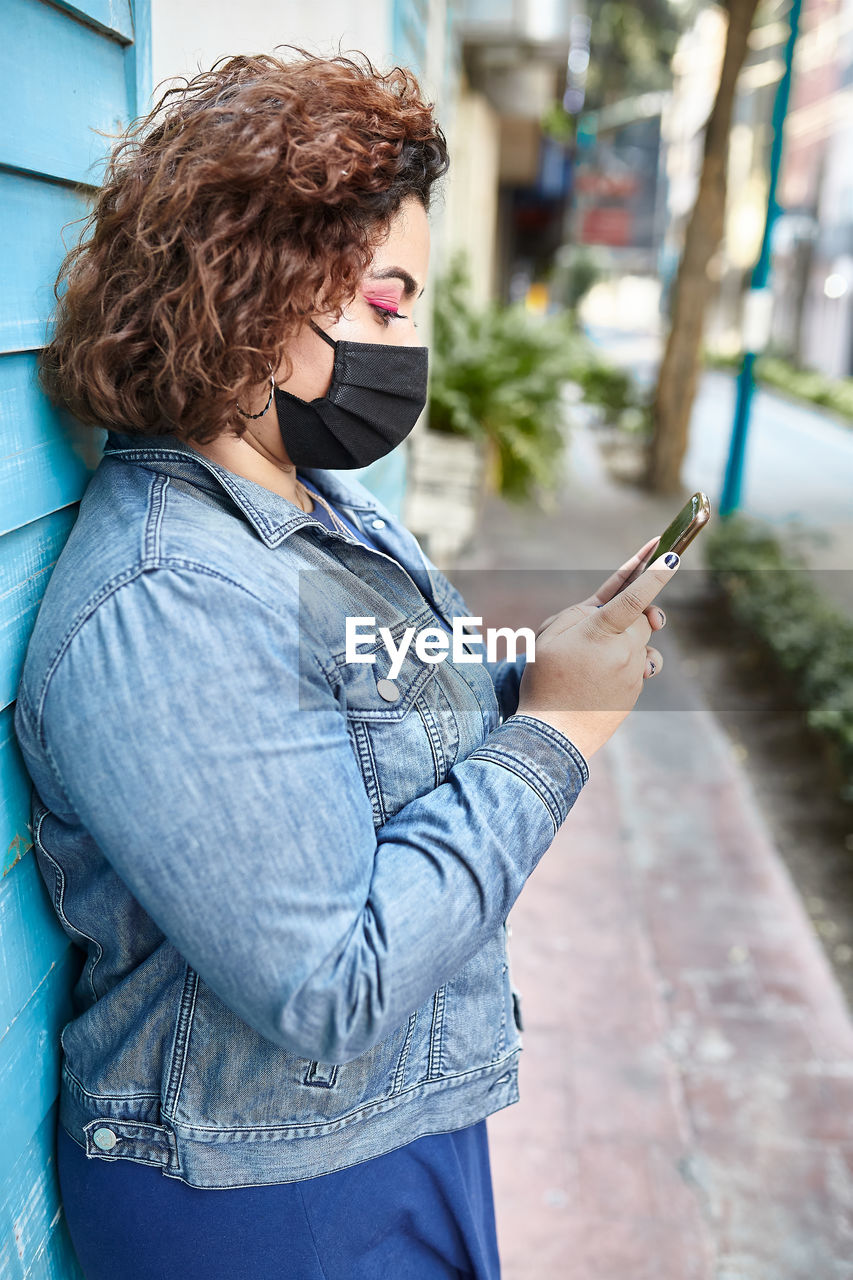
(386, 314)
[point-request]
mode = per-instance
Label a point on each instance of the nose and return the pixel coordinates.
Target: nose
(411, 337)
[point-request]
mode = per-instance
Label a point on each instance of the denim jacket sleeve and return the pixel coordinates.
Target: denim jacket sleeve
(209, 759)
(506, 677)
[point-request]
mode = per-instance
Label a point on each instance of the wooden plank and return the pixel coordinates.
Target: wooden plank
(55, 1259)
(15, 796)
(46, 457)
(33, 1235)
(69, 73)
(140, 55)
(34, 1240)
(409, 24)
(34, 940)
(30, 1053)
(112, 17)
(59, 82)
(33, 213)
(27, 558)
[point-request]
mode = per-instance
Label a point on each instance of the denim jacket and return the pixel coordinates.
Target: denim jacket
(289, 876)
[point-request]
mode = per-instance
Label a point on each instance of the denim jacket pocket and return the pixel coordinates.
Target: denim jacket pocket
(297, 1096)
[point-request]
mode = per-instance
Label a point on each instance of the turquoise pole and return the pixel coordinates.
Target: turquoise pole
(733, 480)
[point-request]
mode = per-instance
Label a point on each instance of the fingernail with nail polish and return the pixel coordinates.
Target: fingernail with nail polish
(662, 617)
(671, 560)
(652, 668)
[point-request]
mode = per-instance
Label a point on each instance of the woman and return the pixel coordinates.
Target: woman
(288, 864)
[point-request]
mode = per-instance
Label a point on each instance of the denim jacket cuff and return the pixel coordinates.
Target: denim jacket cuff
(547, 760)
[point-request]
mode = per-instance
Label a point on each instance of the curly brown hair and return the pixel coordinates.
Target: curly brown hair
(251, 196)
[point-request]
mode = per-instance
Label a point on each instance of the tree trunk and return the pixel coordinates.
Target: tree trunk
(679, 370)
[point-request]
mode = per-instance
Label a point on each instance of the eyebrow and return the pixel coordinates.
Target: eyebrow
(410, 284)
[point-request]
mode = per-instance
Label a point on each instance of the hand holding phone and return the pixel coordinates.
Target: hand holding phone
(591, 660)
(692, 517)
(678, 535)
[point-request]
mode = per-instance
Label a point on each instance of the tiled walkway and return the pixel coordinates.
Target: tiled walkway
(686, 1102)
(687, 1077)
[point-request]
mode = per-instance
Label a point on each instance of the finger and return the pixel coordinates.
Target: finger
(617, 615)
(654, 662)
(640, 631)
(645, 561)
(620, 576)
(656, 617)
(566, 618)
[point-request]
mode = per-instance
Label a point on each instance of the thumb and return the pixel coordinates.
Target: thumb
(618, 614)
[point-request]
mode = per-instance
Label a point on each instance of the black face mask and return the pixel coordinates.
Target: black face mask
(375, 398)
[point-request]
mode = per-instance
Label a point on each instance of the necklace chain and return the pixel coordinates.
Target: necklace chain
(302, 493)
(333, 515)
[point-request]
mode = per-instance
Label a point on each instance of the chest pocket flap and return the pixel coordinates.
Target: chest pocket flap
(371, 692)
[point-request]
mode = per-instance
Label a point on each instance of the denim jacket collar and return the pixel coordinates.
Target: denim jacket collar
(272, 516)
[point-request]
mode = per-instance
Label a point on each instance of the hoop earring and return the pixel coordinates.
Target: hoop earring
(268, 403)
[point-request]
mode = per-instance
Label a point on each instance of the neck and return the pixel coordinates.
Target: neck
(248, 456)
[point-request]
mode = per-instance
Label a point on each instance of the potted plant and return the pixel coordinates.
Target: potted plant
(495, 410)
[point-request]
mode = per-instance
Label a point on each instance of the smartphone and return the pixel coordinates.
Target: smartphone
(692, 517)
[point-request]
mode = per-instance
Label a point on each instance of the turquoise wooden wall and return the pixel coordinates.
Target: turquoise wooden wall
(65, 70)
(409, 33)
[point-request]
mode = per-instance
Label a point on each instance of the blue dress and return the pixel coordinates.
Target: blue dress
(422, 1212)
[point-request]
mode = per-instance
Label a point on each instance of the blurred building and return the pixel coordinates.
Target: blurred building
(812, 263)
(510, 183)
(619, 201)
(813, 249)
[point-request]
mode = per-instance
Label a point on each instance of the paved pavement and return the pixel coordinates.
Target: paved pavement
(798, 473)
(686, 1102)
(799, 458)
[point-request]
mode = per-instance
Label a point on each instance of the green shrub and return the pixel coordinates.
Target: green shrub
(832, 393)
(772, 593)
(609, 387)
(614, 390)
(835, 394)
(499, 372)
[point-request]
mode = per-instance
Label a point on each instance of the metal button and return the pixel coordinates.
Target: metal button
(387, 690)
(377, 524)
(105, 1139)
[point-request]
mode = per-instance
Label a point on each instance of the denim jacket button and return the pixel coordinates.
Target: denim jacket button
(377, 524)
(104, 1139)
(387, 690)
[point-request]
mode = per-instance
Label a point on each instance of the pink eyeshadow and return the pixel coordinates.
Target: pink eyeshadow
(391, 301)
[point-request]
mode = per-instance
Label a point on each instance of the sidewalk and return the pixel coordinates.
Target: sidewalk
(798, 473)
(686, 1102)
